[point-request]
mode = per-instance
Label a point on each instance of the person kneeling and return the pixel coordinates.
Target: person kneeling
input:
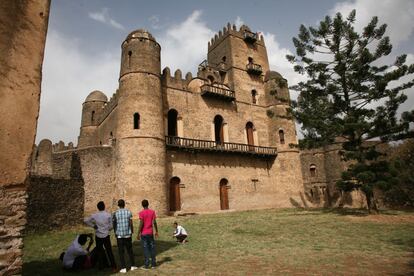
(180, 233)
(76, 257)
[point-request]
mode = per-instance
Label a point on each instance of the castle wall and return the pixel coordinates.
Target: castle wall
(198, 116)
(80, 178)
(107, 127)
(23, 28)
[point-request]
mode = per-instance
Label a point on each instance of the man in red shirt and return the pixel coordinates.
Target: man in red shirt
(146, 233)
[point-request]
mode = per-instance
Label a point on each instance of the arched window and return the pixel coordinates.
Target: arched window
(218, 129)
(254, 96)
(93, 116)
(172, 122)
(224, 197)
(136, 120)
(210, 79)
(223, 59)
(249, 132)
(312, 170)
(281, 136)
(250, 59)
(129, 58)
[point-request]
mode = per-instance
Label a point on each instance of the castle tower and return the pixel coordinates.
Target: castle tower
(140, 146)
(91, 110)
(243, 56)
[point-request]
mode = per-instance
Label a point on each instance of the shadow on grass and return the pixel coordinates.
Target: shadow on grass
(54, 266)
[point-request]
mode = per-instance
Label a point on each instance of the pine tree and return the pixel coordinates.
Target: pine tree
(349, 97)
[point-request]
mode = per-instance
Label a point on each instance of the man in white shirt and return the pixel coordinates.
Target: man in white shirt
(180, 233)
(101, 221)
(76, 256)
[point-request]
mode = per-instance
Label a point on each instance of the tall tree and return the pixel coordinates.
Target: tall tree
(352, 97)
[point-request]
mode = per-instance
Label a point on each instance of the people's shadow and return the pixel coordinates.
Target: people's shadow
(53, 266)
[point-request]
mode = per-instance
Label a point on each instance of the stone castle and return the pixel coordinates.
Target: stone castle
(216, 141)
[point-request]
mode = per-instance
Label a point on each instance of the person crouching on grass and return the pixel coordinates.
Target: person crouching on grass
(76, 257)
(180, 233)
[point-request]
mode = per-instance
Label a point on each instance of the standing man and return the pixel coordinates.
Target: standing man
(101, 221)
(146, 234)
(123, 227)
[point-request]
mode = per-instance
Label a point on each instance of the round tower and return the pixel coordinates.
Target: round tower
(91, 109)
(140, 146)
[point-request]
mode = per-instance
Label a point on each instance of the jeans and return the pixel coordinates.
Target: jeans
(102, 243)
(125, 243)
(148, 244)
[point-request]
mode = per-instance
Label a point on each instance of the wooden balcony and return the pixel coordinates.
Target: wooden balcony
(217, 92)
(194, 145)
(250, 36)
(254, 69)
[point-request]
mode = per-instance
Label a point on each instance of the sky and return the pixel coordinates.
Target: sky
(83, 44)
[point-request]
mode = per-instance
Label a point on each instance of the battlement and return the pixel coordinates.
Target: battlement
(243, 33)
(60, 146)
(177, 80)
(108, 107)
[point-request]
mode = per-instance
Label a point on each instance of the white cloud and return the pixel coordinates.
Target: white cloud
(69, 75)
(184, 45)
(239, 22)
(103, 17)
(398, 15)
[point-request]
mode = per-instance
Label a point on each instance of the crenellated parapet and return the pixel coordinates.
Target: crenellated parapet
(108, 107)
(60, 146)
(176, 81)
(243, 33)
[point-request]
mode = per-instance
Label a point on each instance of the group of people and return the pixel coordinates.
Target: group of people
(77, 257)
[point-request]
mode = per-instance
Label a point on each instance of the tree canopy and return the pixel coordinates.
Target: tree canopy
(352, 96)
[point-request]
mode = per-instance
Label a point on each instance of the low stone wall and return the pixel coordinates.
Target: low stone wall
(53, 203)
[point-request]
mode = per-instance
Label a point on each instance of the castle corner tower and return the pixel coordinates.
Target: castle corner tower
(140, 141)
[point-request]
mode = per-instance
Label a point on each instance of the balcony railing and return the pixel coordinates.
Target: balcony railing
(218, 92)
(254, 69)
(187, 144)
(250, 36)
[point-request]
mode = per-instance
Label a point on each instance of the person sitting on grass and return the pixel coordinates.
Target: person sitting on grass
(76, 257)
(180, 233)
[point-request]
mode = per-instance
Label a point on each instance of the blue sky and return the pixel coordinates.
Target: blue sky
(84, 37)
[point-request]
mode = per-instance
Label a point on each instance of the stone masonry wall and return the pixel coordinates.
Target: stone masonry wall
(23, 27)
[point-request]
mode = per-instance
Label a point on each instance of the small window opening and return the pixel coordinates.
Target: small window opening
(129, 58)
(93, 116)
(250, 59)
(223, 59)
(172, 122)
(210, 79)
(281, 136)
(312, 170)
(136, 120)
(254, 96)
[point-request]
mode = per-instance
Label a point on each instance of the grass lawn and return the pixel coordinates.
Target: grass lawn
(266, 242)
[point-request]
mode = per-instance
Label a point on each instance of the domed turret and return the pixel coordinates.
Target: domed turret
(140, 53)
(96, 96)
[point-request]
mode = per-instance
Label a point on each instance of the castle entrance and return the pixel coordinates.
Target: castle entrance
(224, 197)
(175, 201)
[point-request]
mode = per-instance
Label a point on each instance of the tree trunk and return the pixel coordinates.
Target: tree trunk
(371, 204)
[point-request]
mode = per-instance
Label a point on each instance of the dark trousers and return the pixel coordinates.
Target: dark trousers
(102, 245)
(79, 262)
(125, 243)
(180, 238)
(148, 244)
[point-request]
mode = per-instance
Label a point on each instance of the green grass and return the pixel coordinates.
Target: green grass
(281, 242)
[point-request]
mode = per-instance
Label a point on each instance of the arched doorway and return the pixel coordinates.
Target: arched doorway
(175, 200)
(249, 132)
(218, 129)
(224, 196)
(172, 122)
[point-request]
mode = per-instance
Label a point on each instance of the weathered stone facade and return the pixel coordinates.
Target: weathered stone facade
(23, 26)
(216, 141)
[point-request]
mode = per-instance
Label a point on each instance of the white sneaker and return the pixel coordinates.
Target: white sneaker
(123, 270)
(134, 268)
